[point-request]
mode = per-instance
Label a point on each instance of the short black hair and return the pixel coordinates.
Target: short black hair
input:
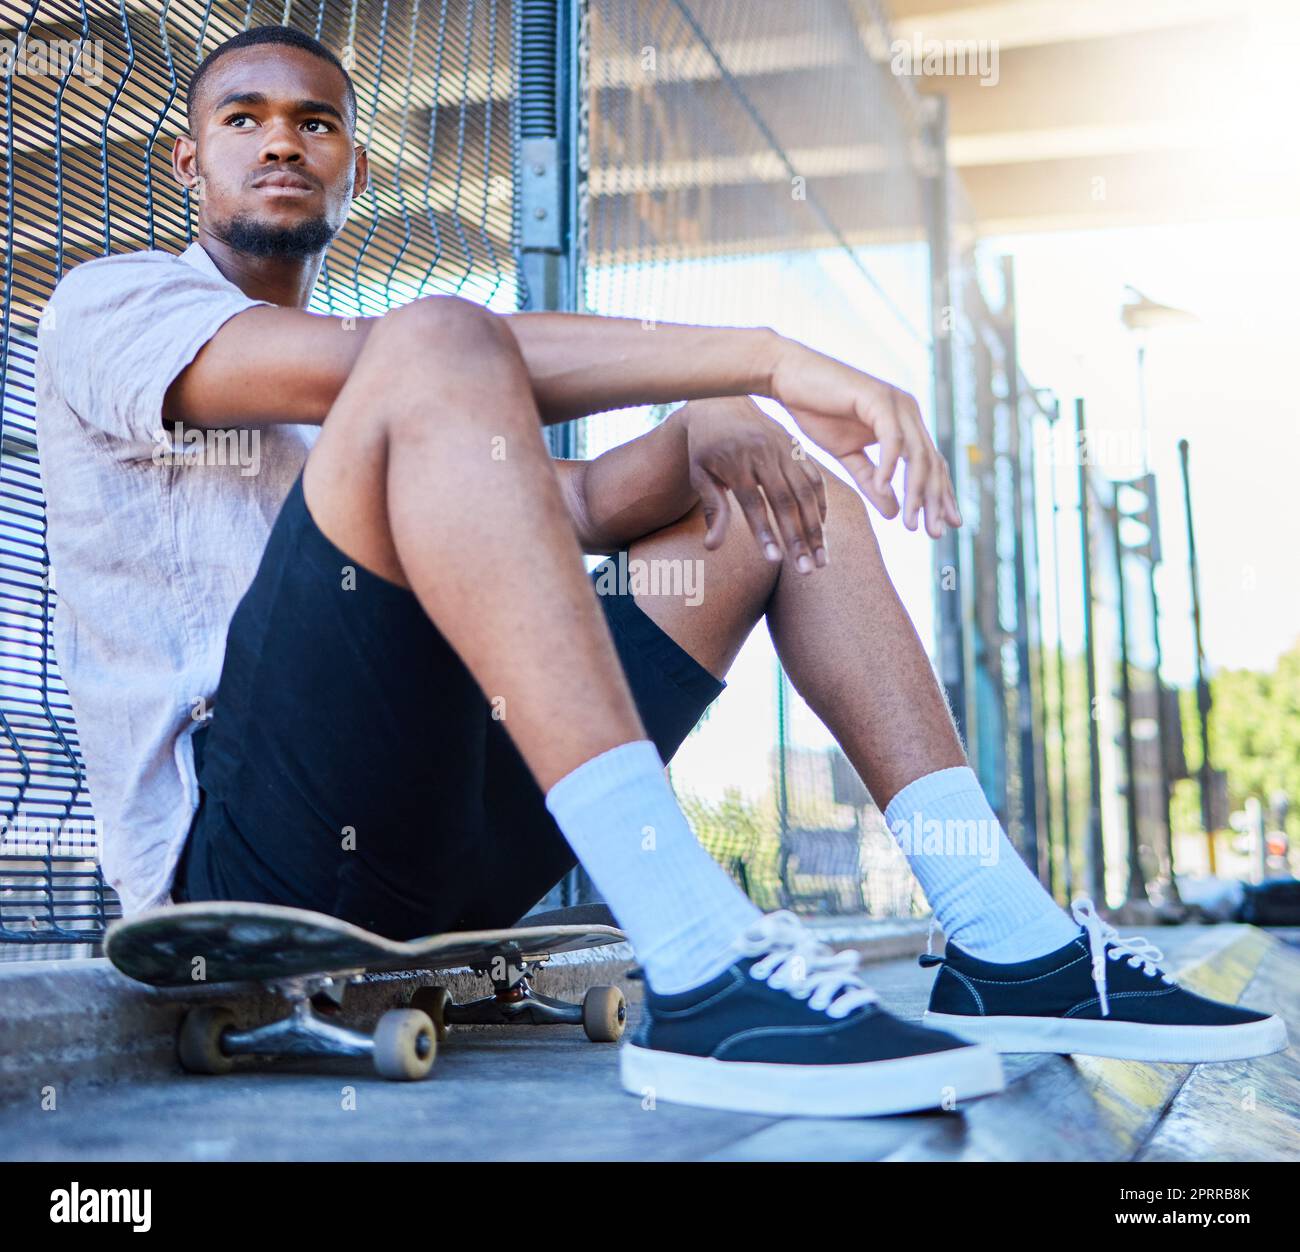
(289, 35)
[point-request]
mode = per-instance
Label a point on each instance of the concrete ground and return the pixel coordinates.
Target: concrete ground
(538, 1093)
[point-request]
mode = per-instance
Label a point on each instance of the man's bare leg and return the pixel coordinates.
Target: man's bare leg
(432, 471)
(852, 652)
(842, 633)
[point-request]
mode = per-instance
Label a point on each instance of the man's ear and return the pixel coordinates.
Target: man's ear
(184, 162)
(362, 179)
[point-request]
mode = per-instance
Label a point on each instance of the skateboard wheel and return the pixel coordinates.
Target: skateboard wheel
(406, 1043)
(434, 1001)
(604, 1014)
(199, 1044)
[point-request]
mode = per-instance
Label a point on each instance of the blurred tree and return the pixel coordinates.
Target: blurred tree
(741, 836)
(1254, 736)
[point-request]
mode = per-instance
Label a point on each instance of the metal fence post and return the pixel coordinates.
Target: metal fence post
(1204, 698)
(1025, 724)
(551, 165)
(1137, 888)
(1067, 868)
(949, 631)
(1034, 565)
(1094, 868)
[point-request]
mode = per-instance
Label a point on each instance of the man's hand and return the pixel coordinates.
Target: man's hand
(845, 411)
(732, 444)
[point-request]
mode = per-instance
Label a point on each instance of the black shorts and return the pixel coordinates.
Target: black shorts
(352, 765)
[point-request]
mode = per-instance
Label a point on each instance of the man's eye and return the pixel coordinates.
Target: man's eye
(313, 121)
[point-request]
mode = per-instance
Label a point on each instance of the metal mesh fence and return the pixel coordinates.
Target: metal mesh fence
(996, 579)
(756, 163)
(1111, 733)
(745, 162)
(87, 172)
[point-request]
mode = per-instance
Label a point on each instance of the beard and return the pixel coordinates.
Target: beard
(303, 239)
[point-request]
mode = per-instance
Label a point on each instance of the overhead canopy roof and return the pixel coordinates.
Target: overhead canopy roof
(1114, 112)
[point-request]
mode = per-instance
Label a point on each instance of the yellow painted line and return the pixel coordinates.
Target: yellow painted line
(1228, 974)
(1128, 1094)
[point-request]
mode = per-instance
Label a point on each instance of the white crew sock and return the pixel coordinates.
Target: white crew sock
(983, 895)
(678, 905)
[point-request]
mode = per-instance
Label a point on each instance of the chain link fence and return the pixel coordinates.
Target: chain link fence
(758, 164)
(732, 162)
(87, 172)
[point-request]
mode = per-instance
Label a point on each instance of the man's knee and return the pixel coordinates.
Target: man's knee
(844, 504)
(439, 328)
(845, 510)
(439, 362)
(737, 562)
(846, 521)
(438, 334)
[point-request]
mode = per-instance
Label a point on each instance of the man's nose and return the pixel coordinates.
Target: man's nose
(282, 142)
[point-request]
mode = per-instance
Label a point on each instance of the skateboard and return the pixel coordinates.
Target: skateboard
(310, 958)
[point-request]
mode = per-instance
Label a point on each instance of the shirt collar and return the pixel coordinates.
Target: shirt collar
(195, 255)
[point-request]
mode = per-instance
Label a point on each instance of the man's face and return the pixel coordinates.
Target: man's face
(273, 152)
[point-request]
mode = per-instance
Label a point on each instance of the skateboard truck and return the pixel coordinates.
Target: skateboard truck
(602, 1013)
(402, 1047)
(405, 1041)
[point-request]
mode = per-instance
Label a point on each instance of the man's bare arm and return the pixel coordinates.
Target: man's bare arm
(707, 452)
(581, 364)
(631, 490)
(270, 365)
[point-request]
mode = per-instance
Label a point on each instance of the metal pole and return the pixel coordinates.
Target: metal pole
(1163, 730)
(1046, 868)
(1094, 849)
(1137, 890)
(1164, 797)
(550, 49)
(1067, 870)
(988, 705)
(782, 781)
(782, 790)
(1029, 814)
(1203, 699)
(949, 629)
(550, 172)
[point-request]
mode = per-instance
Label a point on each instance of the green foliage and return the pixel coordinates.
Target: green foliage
(1254, 733)
(742, 837)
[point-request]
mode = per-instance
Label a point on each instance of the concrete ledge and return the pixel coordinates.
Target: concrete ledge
(79, 1021)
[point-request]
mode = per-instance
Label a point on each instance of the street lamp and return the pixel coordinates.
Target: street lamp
(1142, 316)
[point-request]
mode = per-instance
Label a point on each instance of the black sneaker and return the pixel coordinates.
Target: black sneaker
(791, 1029)
(1100, 995)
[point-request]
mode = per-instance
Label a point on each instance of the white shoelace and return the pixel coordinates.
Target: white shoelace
(1139, 951)
(794, 960)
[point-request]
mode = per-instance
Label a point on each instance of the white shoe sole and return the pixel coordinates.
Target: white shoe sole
(1129, 1041)
(868, 1089)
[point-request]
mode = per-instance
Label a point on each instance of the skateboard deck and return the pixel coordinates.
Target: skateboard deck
(309, 959)
(239, 942)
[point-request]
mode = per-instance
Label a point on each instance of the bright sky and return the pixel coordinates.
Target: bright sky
(1227, 384)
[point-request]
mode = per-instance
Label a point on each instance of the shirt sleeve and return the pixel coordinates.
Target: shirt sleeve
(123, 327)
